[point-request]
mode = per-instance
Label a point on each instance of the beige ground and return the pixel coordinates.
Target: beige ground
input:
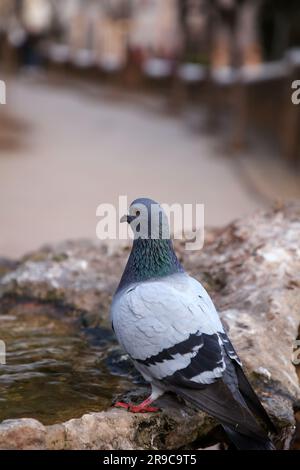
(76, 148)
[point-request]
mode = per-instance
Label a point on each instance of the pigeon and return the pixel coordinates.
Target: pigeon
(168, 325)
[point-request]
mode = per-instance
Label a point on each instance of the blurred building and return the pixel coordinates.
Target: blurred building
(236, 46)
(217, 31)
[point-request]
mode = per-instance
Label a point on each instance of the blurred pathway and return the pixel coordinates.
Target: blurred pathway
(78, 150)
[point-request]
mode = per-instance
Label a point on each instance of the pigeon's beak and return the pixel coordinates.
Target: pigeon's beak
(123, 219)
(127, 218)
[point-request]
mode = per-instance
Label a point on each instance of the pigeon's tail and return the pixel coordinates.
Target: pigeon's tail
(252, 400)
(231, 411)
(243, 442)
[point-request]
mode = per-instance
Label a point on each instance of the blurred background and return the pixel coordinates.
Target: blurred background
(179, 100)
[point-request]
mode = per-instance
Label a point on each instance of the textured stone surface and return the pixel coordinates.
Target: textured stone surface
(23, 434)
(113, 429)
(251, 269)
(116, 429)
(78, 275)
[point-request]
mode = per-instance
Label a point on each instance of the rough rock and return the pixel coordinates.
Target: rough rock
(251, 269)
(113, 429)
(23, 434)
(79, 276)
(6, 265)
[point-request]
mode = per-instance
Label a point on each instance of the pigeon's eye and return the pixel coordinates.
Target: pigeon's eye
(137, 213)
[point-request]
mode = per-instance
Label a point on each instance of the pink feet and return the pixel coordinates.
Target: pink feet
(142, 408)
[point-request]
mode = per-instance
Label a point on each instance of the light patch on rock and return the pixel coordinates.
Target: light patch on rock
(264, 372)
(275, 255)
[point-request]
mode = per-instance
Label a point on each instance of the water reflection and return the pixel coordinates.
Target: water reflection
(54, 373)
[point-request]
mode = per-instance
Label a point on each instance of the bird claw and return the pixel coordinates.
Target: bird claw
(143, 409)
(136, 408)
(121, 404)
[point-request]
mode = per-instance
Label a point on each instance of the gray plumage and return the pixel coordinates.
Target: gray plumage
(167, 323)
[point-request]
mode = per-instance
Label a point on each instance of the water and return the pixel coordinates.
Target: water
(55, 372)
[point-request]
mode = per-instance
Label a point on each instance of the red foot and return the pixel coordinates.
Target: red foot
(142, 408)
(121, 404)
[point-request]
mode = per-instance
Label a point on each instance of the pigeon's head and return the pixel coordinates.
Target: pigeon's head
(147, 220)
